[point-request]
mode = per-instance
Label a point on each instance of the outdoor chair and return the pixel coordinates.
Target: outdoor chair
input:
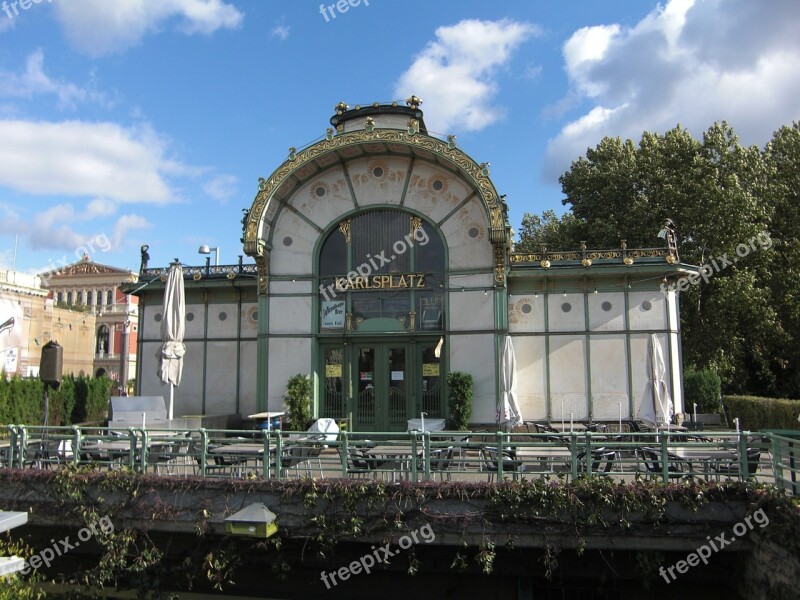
(358, 463)
(733, 468)
(490, 461)
(600, 456)
(295, 456)
(441, 461)
(650, 459)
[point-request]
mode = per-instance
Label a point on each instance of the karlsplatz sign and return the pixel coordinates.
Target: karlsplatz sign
(381, 282)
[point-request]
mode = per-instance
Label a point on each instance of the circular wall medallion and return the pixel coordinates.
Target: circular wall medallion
(287, 241)
(223, 316)
(647, 305)
(190, 317)
(474, 232)
(377, 172)
(437, 185)
(526, 308)
(157, 317)
(606, 306)
(320, 191)
(566, 307)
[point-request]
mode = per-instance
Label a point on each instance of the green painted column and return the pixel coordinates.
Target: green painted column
(262, 365)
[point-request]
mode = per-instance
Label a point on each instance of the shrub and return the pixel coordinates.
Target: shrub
(703, 388)
(756, 413)
(459, 399)
(298, 402)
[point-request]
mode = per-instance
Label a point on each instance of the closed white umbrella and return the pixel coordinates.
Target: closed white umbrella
(656, 369)
(508, 411)
(173, 328)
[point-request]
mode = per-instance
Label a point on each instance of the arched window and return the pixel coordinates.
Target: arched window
(386, 268)
(109, 298)
(102, 340)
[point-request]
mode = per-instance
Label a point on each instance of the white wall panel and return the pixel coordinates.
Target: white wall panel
(526, 313)
(248, 359)
(566, 313)
(474, 354)
(287, 357)
(221, 381)
(531, 376)
(290, 314)
(223, 320)
(609, 376)
(195, 322)
(568, 376)
(471, 310)
(324, 199)
(292, 245)
(607, 311)
(647, 310)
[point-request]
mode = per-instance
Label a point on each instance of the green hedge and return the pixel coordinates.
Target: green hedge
(756, 413)
(79, 399)
(703, 388)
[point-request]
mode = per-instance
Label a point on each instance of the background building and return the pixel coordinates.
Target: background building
(29, 319)
(384, 261)
(93, 289)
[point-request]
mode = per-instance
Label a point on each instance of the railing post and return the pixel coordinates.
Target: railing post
(744, 468)
(664, 456)
(143, 454)
(278, 453)
(499, 456)
(23, 445)
(344, 452)
(76, 445)
(777, 460)
(426, 454)
(12, 448)
(265, 468)
(573, 453)
(413, 457)
(588, 454)
(203, 451)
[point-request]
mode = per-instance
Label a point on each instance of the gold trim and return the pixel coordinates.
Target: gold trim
(344, 227)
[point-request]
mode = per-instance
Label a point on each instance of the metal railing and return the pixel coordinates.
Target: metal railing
(412, 456)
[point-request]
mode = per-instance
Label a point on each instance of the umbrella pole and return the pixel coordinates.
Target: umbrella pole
(171, 398)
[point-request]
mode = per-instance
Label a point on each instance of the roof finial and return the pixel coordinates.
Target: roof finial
(413, 102)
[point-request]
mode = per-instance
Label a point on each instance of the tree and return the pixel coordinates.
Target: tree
(728, 201)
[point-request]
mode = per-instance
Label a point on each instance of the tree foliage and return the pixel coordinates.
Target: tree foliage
(744, 323)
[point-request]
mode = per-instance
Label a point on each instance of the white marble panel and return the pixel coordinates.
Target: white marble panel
(379, 179)
(290, 314)
(566, 313)
(467, 238)
(324, 199)
(292, 245)
(195, 321)
(151, 328)
(475, 354)
(568, 377)
(223, 320)
(647, 310)
(149, 381)
(526, 313)
(189, 394)
(221, 378)
(607, 311)
(471, 310)
(287, 357)
(609, 365)
(248, 361)
(249, 320)
(434, 191)
(531, 376)
(290, 287)
(482, 280)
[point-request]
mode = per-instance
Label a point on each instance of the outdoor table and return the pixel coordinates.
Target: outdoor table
(704, 456)
(544, 455)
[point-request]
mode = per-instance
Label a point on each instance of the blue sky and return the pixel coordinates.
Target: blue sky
(150, 121)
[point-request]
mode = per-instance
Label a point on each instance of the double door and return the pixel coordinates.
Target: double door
(379, 386)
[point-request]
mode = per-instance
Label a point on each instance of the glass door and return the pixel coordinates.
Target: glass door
(381, 387)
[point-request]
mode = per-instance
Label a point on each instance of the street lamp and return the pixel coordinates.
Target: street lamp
(206, 250)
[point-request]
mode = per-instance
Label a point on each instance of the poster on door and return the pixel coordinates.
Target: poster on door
(332, 312)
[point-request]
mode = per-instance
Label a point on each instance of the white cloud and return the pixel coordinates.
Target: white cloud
(456, 74)
(124, 225)
(222, 188)
(33, 81)
(76, 158)
(99, 27)
(281, 32)
(691, 62)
